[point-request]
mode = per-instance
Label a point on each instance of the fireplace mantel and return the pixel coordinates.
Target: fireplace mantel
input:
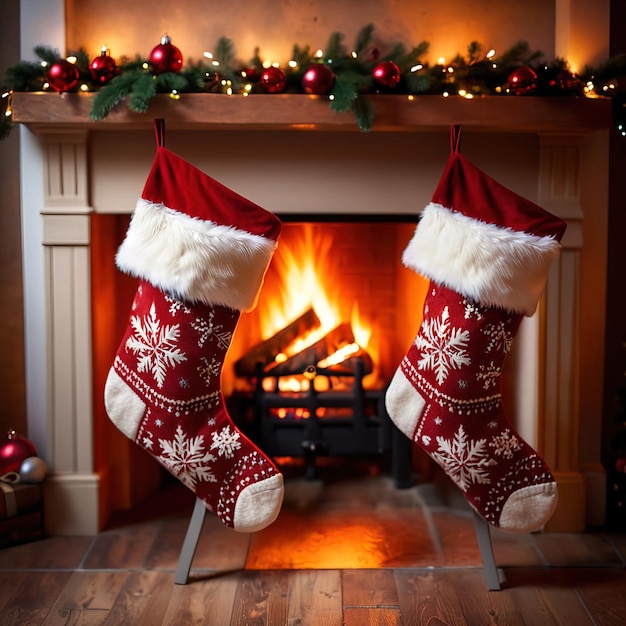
(44, 112)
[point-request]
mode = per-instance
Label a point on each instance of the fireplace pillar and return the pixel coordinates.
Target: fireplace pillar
(581, 485)
(71, 490)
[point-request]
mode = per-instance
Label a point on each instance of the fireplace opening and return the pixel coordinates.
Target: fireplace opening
(308, 369)
(335, 315)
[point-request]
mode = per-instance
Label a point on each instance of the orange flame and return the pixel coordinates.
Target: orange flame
(308, 277)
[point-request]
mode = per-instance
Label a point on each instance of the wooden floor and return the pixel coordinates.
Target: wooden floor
(349, 549)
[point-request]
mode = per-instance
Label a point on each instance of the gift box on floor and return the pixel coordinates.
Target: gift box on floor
(21, 518)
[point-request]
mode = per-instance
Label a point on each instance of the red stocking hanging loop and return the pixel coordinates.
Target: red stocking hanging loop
(159, 132)
(455, 138)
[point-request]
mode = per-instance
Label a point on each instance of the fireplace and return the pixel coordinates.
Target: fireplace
(321, 172)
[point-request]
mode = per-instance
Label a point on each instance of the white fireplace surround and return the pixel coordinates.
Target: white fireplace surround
(71, 168)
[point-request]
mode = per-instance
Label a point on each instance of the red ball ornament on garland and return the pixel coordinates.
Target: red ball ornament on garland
(522, 81)
(273, 80)
(14, 451)
(387, 74)
(166, 57)
(62, 76)
(103, 68)
(318, 79)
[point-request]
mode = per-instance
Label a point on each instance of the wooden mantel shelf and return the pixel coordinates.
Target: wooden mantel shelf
(48, 112)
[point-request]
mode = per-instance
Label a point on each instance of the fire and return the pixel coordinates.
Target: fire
(309, 278)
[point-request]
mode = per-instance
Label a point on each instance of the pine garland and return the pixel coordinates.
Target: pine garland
(473, 72)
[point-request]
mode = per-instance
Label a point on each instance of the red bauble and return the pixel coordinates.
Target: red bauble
(103, 68)
(166, 57)
(386, 74)
(273, 80)
(522, 81)
(62, 76)
(318, 79)
(14, 451)
(620, 465)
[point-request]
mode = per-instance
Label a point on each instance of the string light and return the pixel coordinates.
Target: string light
(8, 95)
(319, 54)
(293, 64)
(417, 68)
(84, 87)
(174, 95)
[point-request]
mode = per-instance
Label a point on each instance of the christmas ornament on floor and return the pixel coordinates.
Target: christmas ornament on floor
(200, 252)
(14, 451)
(487, 253)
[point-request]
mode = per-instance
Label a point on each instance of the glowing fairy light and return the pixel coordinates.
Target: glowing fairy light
(84, 87)
(8, 96)
(293, 64)
(71, 59)
(417, 68)
(319, 53)
(491, 53)
(354, 54)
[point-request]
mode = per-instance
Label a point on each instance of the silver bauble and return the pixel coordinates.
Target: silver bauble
(33, 470)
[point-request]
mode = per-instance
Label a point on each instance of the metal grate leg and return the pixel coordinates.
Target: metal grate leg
(486, 550)
(191, 543)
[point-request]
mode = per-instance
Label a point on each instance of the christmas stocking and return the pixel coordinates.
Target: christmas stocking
(487, 253)
(200, 252)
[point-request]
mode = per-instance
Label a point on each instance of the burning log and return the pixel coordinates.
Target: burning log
(316, 354)
(265, 352)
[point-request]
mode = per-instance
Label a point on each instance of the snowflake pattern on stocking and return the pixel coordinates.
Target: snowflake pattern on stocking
(442, 346)
(226, 442)
(499, 337)
(155, 344)
(465, 461)
(208, 330)
(209, 370)
(505, 444)
(176, 305)
(489, 375)
(187, 458)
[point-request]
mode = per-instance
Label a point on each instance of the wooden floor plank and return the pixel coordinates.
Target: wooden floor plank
(205, 601)
(31, 603)
(369, 588)
(427, 597)
(9, 582)
(604, 596)
(86, 592)
(143, 599)
(50, 553)
(125, 547)
(481, 606)
(546, 597)
(569, 549)
(261, 598)
(353, 616)
(219, 547)
(315, 598)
